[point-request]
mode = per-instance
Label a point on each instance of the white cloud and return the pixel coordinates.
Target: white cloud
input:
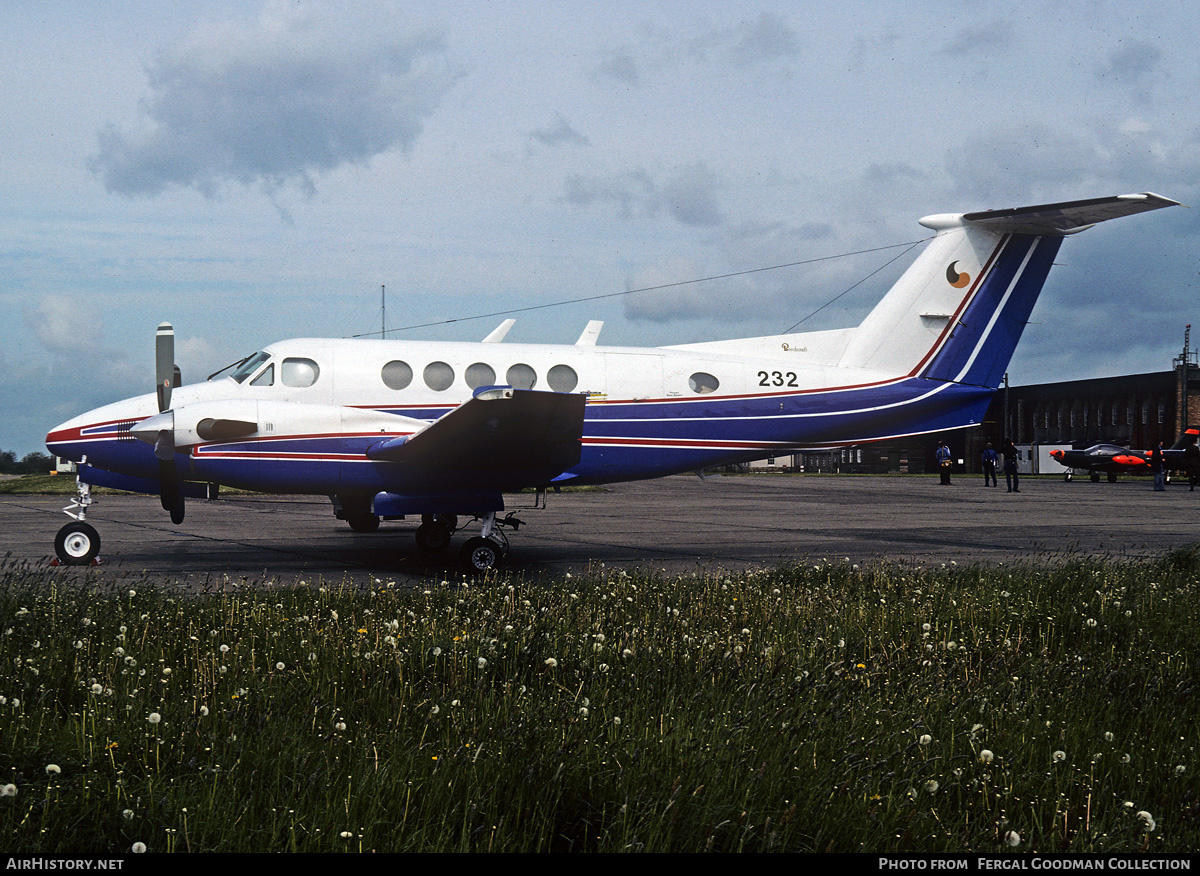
(63, 326)
(292, 95)
(559, 133)
(689, 195)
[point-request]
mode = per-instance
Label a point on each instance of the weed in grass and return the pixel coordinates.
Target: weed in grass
(818, 707)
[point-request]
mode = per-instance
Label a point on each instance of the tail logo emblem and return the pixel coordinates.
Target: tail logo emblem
(954, 278)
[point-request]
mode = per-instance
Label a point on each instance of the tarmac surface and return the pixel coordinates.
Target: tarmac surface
(677, 524)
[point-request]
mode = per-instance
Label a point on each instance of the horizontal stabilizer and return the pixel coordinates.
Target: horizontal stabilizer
(1068, 216)
(501, 439)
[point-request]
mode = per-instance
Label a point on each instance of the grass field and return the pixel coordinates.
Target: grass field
(815, 708)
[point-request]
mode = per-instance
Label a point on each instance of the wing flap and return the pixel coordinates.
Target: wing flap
(501, 439)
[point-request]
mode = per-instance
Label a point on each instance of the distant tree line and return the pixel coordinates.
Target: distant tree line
(30, 463)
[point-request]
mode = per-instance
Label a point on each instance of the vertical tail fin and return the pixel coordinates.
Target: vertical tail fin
(957, 313)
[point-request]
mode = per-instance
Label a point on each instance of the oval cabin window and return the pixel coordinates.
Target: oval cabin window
(438, 376)
(703, 383)
(562, 378)
(299, 372)
(397, 375)
(480, 374)
(521, 376)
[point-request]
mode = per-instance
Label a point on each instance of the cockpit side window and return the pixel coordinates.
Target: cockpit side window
(248, 366)
(267, 378)
(299, 372)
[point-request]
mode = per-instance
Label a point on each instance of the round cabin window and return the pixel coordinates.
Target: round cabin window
(397, 374)
(562, 378)
(480, 374)
(521, 376)
(703, 383)
(438, 376)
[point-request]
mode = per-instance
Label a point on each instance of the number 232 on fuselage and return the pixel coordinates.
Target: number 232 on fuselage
(441, 430)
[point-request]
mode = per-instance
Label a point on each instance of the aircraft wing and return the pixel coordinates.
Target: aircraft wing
(502, 439)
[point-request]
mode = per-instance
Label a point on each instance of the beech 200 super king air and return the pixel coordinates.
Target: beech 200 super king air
(390, 429)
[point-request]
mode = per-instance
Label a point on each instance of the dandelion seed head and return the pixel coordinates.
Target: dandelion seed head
(154, 718)
(137, 848)
(279, 666)
(986, 756)
(1059, 756)
(931, 786)
(340, 726)
(127, 815)
(53, 769)
(1108, 737)
(551, 662)
(925, 739)
(1012, 839)
(9, 790)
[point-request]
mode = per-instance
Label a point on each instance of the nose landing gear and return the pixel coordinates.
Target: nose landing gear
(78, 542)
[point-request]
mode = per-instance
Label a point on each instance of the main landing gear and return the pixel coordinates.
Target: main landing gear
(486, 550)
(433, 535)
(478, 553)
(78, 542)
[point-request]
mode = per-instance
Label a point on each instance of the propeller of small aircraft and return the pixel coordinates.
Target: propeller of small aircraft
(164, 445)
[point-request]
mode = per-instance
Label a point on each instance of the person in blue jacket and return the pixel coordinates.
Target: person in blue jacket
(944, 461)
(990, 458)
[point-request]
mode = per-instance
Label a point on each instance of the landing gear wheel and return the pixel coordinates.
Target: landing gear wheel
(1095, 477)
(77, 544)
(363, 522)
(433, 537)
(481, 554)
(1067, 477)
(1112, 477)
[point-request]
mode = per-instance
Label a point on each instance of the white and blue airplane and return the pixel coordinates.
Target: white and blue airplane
(389, 428)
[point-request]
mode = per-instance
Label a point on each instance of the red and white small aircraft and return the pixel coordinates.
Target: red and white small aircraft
(389, 429)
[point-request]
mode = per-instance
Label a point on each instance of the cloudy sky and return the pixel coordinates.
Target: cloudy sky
(252, 171)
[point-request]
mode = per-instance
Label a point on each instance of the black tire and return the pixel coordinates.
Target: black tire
(77, 544)
(1112, 477)
(1095, 477)
(1067, 477)
(480, 554)
(433, 538)
(363, 522)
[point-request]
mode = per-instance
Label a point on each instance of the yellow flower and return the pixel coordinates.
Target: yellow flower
(111, 746)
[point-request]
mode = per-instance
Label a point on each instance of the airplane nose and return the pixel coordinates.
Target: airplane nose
(1056, 454)
(61, 436)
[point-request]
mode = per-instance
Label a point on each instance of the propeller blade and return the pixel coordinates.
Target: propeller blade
(170, 492)
(164, 364)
